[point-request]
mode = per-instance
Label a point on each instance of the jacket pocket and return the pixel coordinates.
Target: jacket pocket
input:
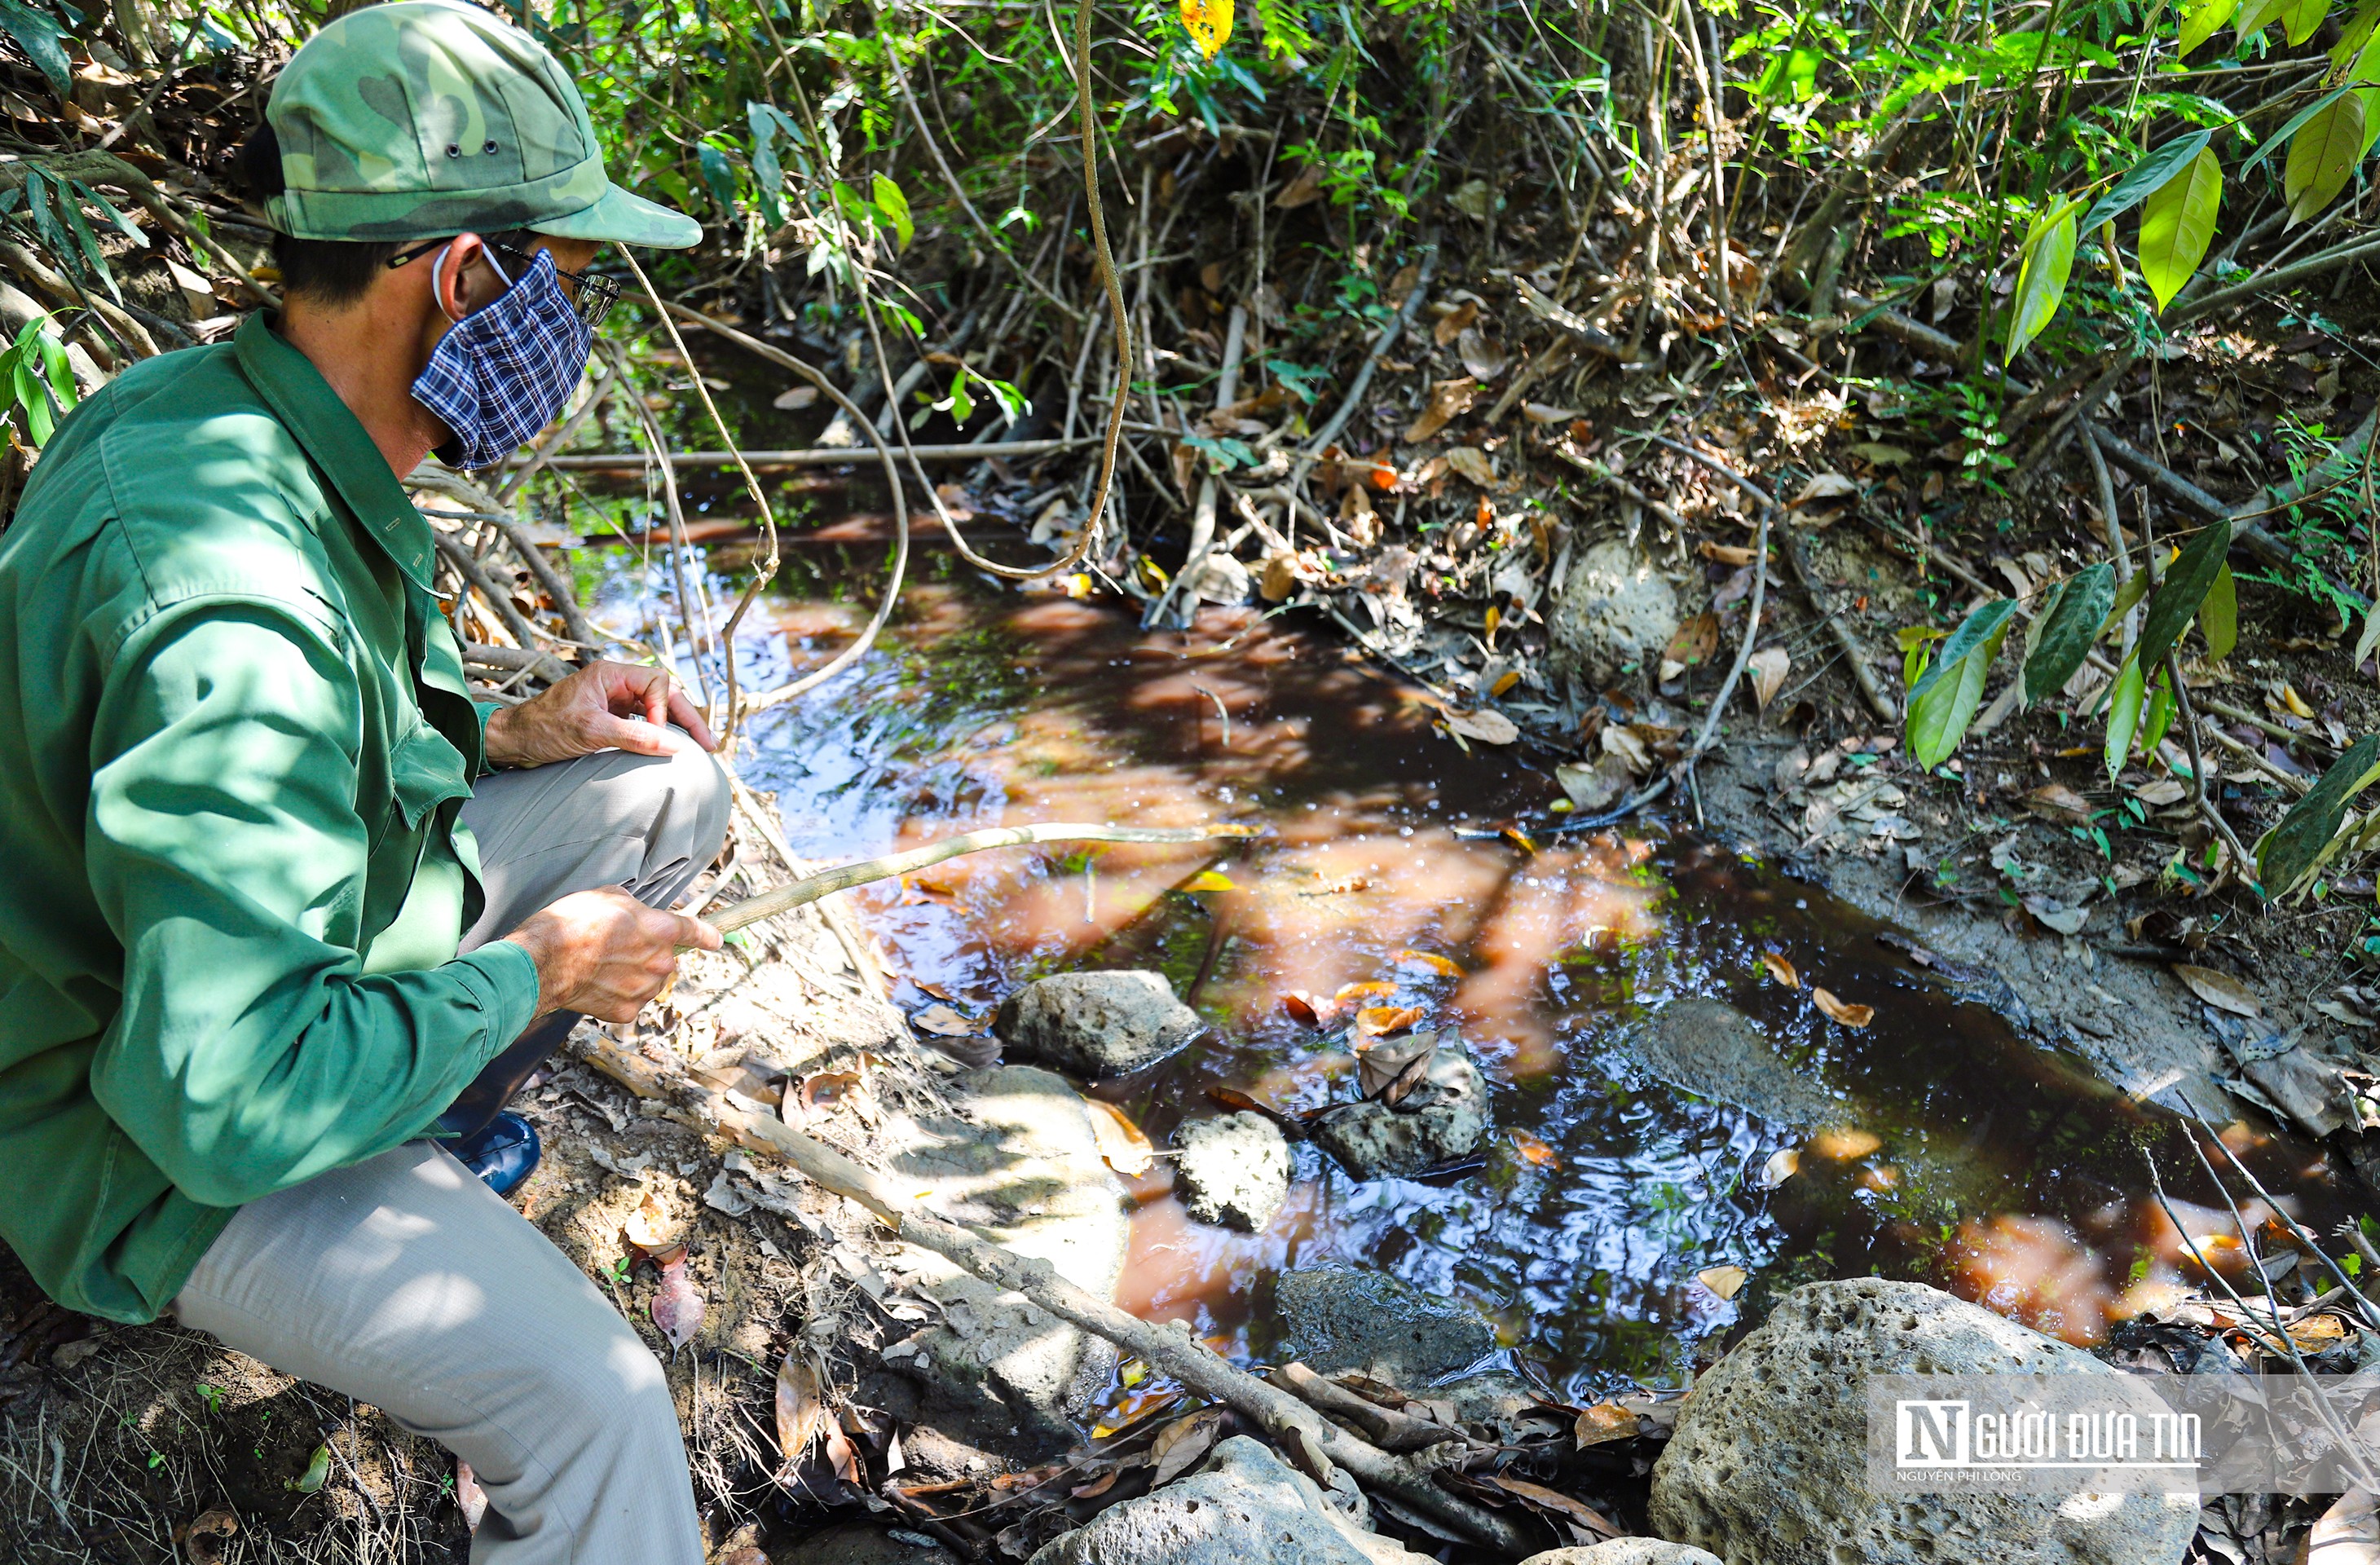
(424, 770)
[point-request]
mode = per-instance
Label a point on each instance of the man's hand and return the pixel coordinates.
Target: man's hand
(596, 710)
(605, 953)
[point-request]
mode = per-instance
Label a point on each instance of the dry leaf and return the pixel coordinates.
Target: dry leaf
(1380, 1065)
(1481, 354)
(1697, 638)
(1780, 1166)
(793, 401)
(844, 1457)
(2219, 989)
(1122, 1145)
(1725, 553)
(1486, 725)
(1824, 486)
(1430, 960)
(649, 1227)
(1603, 1422)
(1375, 988)
(198, 1537)
(2055, 801)
(1726, 1281)
(1534, 1152)
(1768, 670)
(801, 1410)
(678, 1304)
(2295, 702)
(1183, 1443)
(1849, 1016)
(823, 1090)
(1780, 969)
(2163, 792)
(1554, 1502)
(469, 1498)
(1472, 463)
(1307, 1008)
(1208, 22)
(1844, 1143)
(1449, 400)
(943, 1020)
(1379, 1021)
(1450, 325)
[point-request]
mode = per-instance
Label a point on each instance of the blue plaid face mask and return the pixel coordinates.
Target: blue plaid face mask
(505, 371)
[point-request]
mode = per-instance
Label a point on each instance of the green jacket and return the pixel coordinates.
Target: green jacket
(233, 739)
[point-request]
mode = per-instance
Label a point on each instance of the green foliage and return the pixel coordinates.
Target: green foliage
(2308, 834)
(1944, 700)
(2061, 633)
(39, 381)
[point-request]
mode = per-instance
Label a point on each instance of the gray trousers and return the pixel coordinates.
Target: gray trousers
(406, 1283)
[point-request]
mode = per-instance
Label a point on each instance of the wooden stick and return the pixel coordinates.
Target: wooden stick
(826, 882)
(1311, 1440)
(822, 455)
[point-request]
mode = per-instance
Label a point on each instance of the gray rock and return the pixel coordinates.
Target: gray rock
(1340, 1318)
(1714, 1050)
(858, 1544)
(1443, 1118)
(1235, 1171)
(1095, 1024)
(1627, 1551)
(1769, 1461)
(1023, 1167)
(1243, 1507)
(1614, 608)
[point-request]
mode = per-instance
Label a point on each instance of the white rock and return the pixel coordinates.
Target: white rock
(1614, 608)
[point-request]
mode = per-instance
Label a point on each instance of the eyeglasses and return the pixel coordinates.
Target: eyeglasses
(591, 296)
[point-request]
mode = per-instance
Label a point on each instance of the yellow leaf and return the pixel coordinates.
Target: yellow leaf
(1432, 961)
(1726, 1281)
(1208, 880)
(1534, 1151)
(1378, 1021)
(1603, 1422)
(1505, 680)
(1378, 988)
(1780, 969)
(1494, 617)
(1848, 1015)
(1208, 23)
(1122, 1145)
(1843, 1144)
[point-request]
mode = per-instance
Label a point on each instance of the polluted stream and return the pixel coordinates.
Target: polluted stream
(1617, 1222)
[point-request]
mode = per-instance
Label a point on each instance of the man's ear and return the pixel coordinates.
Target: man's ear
(453, 279)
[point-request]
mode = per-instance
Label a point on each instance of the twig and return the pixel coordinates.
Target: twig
(1882, 705)
(826, 882)
(498, 600)
(1202, 513)
(816, 456)
(2371, 1314)
(1380, 346)
(1752, 621)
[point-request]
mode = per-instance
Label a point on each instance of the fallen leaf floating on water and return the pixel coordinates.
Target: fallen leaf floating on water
(1208, 880)
(1432, 961)
(1844, 1143)
(1849, 1015)
(1486, 725)
(1379, 1021)
(678, 1304)
(1726, 1281)
(1533, 1152)
(1780, 1166)
(1305, 1008)
(1373, 989)
(1604, 1423)
(1780, 969)
(2219, 989)
(1183, 1443)
(942, 1019)
(1768, 670)
(801, 1412)
(1386, 1072)
(1122, 1145)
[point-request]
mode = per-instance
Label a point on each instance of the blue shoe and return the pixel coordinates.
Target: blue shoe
(502, 1155)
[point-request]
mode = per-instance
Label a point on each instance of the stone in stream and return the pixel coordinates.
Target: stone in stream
(1443, 1118)
(1095, 1024)
(1234, 1170)
(1713, 1050)
(1245, 1506)
(1022, 1167)
(1769, 1461)
(1627, 1551)
(1615, 608)
(1339, 1319)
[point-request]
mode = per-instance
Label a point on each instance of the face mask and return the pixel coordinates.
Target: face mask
(505, 370)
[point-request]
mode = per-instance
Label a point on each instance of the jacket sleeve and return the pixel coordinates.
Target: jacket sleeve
(252, 1052)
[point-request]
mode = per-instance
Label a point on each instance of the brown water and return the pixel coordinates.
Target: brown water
(1964, 1156)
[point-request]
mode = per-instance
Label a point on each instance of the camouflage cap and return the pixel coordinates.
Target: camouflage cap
(420, 119)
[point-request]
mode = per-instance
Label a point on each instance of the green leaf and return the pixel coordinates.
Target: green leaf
(2300, 18)
(2177, 223)
(2160, 715)
(88, 242)
(2187, 582)
(718, 177)
(896, 209)
(2127, 597)
(961, 404)
(2290, 126)
(2123, 715)
(37, 33)
(2156, 168)
(2060, 635)
(2202, 21)
(2218, 617)
(768, 173)
(2048, 255)
(1943, 702)
(317, 1474)
(2324, 155)
(2294, 848)
(2252, 18)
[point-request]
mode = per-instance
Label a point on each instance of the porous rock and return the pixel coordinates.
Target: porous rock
(1245, 1506)
(1714, 1050)
(1627, 1551)
(1234, 1170)
(1769, 1461)
(1339, 1319)
(1614, 609)
(1443, 1117)
(1022, 1167)
(1095, 1024)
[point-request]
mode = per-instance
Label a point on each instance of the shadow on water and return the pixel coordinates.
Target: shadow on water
(1943, 1146)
